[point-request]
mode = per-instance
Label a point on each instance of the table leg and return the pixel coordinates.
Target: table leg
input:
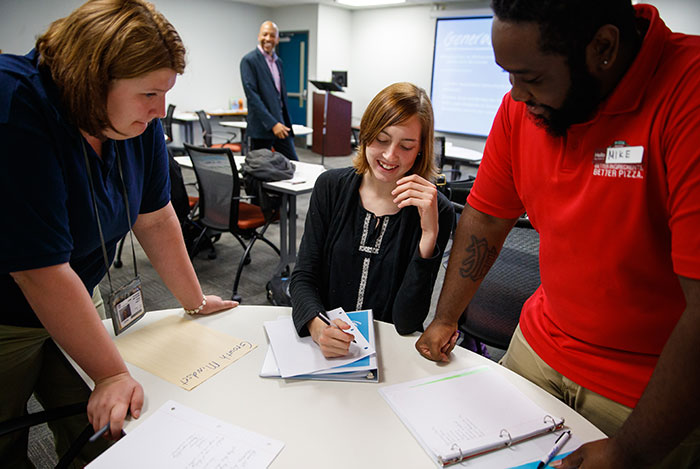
(284, 235)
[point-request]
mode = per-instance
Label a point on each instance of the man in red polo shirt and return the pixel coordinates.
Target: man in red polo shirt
(599, 141)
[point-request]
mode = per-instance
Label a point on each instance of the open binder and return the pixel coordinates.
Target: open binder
(466, 414)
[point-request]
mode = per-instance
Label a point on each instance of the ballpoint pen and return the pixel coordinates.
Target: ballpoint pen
(558, 445)
(99, 433)
(328, 322)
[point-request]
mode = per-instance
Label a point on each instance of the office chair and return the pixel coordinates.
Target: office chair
(186, 208)
(168, 129)
(24, 422)
(221, 206)
(493, 314)
(208, 135)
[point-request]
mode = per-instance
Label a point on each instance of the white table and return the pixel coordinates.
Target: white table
(323, 423)
(186, 120)
(298, 129)
(186, 161)
(303, 182)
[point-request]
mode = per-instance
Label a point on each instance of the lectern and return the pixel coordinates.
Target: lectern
(331, 117)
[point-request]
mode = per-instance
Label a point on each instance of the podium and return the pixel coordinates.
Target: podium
(331, 117)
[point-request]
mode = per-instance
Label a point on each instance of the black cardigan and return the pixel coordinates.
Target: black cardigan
(329, 268)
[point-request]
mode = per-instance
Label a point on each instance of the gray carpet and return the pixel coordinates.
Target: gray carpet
(216, 278)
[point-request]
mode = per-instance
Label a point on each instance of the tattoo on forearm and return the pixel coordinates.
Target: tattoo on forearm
(480, 258)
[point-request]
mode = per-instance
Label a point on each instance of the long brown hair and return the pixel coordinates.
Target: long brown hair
(394, 105)
(102, 41)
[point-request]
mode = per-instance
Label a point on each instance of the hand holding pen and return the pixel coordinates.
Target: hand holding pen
(558, 445)
(331, 336)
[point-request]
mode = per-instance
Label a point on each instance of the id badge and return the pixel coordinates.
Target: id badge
(126, 305)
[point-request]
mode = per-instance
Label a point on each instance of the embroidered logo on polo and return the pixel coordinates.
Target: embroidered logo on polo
(620, 161)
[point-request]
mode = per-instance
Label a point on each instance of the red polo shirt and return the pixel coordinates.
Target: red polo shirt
(613, 237)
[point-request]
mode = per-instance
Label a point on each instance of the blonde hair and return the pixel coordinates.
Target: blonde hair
(102, 41)
(394, 105)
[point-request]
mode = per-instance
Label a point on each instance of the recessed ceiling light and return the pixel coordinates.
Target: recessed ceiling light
(369, 3)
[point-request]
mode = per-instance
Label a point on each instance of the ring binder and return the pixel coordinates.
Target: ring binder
(510, 438)
(551, 420)
(431, 410)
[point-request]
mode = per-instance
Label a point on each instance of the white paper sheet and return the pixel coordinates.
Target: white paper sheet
(177, 437)
(300, 355)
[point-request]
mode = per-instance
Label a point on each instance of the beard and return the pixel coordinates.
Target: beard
(581, 102)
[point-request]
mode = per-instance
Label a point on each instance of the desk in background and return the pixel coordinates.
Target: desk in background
(187, 120)
(299, 131)
(323, 423)
(289, 190)
(302, 183)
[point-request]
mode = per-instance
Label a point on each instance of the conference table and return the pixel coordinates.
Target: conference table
(322, 423)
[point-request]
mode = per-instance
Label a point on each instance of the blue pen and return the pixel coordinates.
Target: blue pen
(558, 445)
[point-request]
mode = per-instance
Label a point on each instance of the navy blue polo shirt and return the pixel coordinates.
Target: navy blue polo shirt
(48, 213)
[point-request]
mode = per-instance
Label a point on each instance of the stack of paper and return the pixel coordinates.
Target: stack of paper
(176, 436)
(291, 356)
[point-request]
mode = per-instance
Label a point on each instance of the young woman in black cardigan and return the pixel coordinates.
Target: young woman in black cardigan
(375, 233)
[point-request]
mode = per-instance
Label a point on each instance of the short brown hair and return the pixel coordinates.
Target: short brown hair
(394, 105)
(102, 41)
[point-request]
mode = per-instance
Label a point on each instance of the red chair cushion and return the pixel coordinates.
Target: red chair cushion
(249, 216)
(234, 147)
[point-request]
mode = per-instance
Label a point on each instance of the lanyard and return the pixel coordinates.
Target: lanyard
(97, 215)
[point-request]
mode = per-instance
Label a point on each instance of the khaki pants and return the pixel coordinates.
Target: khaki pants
(30, 362)
(602, 412)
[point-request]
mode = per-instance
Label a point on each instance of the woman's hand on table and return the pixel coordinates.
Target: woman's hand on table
(111, 400)
(216, 304)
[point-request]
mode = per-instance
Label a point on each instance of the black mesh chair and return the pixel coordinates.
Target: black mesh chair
(221, 206)
(208, 135)
(493, 314)
(168, 129)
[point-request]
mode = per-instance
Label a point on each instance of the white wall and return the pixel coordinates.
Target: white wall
(21, 21)
(216, 33)
(682, 16)
(389, 45)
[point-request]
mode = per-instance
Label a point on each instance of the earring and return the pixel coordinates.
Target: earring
(605, 62)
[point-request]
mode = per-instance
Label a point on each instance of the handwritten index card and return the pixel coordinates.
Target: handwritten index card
(181, 351)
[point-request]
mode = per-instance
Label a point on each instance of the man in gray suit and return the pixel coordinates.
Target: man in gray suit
(268, 118)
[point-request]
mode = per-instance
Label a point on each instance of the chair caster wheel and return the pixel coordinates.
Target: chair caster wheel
(237, 297)
(118, 264)
(247, 261)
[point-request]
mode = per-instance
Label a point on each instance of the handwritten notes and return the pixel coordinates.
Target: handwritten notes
(181, 351)
(176, 436)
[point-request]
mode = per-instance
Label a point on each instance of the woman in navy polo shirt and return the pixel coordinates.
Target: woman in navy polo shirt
(83, 105)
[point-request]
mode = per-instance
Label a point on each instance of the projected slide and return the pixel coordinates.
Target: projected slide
(467, 86)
